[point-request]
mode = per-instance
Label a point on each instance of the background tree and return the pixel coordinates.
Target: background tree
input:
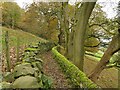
(11, 14)
(40, 19)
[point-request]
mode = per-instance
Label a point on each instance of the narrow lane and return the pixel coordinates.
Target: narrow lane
(52, 69)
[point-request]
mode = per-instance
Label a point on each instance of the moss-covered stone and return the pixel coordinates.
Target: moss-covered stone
(26, 82)
(45, 46)
(77, 77)
(8, 77)
(23, 69)
(4, 85)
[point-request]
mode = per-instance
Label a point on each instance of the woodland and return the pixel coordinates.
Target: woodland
(59, 45)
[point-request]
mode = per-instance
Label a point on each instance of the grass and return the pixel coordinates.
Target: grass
(108, 77)
(96, 56)
(24, 37)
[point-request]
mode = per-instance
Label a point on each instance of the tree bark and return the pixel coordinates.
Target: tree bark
(64, 26)
(61, 36)
(113, 47)
(7, 51)
(70, 46)
(79, 36)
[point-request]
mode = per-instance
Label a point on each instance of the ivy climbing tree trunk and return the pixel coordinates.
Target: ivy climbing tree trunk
(79, 35)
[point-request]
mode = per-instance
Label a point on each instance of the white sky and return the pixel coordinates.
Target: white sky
(21, 3)
(108, 7)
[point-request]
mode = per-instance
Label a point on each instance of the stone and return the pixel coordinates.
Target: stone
(23, 69)
(26, 82)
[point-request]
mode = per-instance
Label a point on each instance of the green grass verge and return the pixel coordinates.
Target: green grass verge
(96, 56)
(24, 37)
(77, 77)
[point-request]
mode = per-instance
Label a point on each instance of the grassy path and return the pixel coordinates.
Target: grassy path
(52, 69)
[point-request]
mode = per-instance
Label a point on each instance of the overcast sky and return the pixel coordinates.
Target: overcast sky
(108, 5)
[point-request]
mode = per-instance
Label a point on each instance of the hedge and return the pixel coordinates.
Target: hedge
(76, 77)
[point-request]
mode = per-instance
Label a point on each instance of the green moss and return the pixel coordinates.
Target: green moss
(31, 49)
(77, 77)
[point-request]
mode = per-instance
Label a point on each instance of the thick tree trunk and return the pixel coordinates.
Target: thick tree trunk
(61, 36)
(66, 26)
(79, 36)
(70, 46)
(66, 44)
(112, 48)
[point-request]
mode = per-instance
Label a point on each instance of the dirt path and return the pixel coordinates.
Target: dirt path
(52, 69)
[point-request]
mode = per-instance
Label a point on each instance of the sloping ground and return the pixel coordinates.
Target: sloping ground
(52, 69)
(108, 77)
(25, 39)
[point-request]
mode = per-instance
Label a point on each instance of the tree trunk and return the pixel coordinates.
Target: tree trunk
(66, 44)
(64, 26)
(112, 48)
(61, 36)
(79, 37)
(70, 46)
(7, 51)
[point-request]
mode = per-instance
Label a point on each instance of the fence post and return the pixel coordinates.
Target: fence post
(18, 44)
(7, 51)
